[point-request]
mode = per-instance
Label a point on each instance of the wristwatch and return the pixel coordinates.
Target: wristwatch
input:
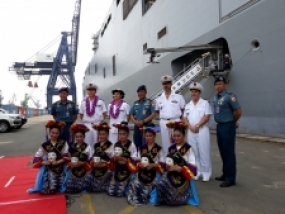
(198, 126)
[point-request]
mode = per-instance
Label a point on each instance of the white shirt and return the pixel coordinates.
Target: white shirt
(42, 153)
(97, 117)
(123, 116)
(170, 108)
(134, 152)
(194, 113)
(189, 157)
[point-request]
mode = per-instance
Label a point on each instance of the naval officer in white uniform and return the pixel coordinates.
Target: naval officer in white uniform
(92, 111)
(170, 107)
(196, 115)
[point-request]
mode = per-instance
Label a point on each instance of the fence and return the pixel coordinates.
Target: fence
(28, 112)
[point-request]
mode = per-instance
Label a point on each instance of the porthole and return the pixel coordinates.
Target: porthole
(255, 44)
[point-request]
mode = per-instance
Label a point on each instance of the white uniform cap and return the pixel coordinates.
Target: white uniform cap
(91, 86)
(166, 78)
(196, 86)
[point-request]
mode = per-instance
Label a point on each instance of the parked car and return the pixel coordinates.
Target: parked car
(10, 121)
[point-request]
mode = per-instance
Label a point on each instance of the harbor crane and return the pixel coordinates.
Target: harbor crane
(61, 66)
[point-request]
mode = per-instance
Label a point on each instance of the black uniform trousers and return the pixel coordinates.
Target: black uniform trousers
(138, 137)
(226, 134)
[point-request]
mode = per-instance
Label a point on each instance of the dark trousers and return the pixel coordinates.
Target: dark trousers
(65, 133)
(226, 134)
(137, 137)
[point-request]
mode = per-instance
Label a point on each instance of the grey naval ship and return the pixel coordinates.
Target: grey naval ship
(142, 40)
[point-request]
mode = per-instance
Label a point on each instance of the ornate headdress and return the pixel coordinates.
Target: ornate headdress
(175, 124)
(75, 128)
(101, 126)
(150, 127)
(54, 123)
(122, 125)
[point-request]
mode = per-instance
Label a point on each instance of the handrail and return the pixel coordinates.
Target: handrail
(179, 74)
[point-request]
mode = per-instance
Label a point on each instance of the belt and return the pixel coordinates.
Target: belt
(225, 122)
(170, 118)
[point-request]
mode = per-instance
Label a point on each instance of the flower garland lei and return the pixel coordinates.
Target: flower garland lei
(91, 112)
(117, 112)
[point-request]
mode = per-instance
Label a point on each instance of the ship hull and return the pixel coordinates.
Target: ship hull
(257, 75)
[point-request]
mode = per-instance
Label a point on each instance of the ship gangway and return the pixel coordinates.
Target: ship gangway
(200, 69)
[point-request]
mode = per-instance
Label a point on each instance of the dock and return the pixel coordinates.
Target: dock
(260, 178)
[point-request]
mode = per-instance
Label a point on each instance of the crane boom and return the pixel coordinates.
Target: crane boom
(75, 31)
(61, 66)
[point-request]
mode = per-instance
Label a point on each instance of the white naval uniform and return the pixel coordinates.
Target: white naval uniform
(91, 136)
(169, 110)
(200, 142)
(123, 116)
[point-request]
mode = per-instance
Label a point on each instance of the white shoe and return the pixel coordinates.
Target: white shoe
(205, 179)
(197, 177)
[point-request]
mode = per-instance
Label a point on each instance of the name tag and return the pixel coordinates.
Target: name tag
(174, 101)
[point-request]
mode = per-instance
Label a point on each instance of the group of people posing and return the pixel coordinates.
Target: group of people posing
(100, 157)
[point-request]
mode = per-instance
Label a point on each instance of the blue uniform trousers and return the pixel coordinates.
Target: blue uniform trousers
(65, 133)
(137, 137)
(226, 133)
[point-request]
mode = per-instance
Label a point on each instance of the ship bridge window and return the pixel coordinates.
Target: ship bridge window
(106, 25)
(146, 4)
(145, 47)
(118, 2)
(114, 65)
(161, 33)
(89, 69)
(104, 73)
(127, 7)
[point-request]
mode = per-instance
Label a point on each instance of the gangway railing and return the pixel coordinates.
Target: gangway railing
(194, 72)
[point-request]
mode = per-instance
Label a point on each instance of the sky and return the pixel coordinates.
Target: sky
(29, 25)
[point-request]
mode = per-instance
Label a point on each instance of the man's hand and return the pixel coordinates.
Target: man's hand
(193, 129)
(237, 125)
(139, 123)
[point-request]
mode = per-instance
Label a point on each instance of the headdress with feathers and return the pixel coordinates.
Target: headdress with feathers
(123, 125)
(101, 126)
(150, 127)
(54, 123)
(176, 124)
(75, 128)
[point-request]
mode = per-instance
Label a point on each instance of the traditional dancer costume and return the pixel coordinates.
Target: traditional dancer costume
(99, 178)
(50, 158)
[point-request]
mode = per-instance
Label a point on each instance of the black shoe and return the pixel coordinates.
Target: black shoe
(227, 184)
(220, 178)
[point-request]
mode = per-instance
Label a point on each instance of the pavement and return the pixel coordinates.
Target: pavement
(260, 181)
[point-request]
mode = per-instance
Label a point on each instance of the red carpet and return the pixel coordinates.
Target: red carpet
(14, 198)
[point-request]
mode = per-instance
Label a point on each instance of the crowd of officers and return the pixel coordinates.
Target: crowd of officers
(170, 107)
